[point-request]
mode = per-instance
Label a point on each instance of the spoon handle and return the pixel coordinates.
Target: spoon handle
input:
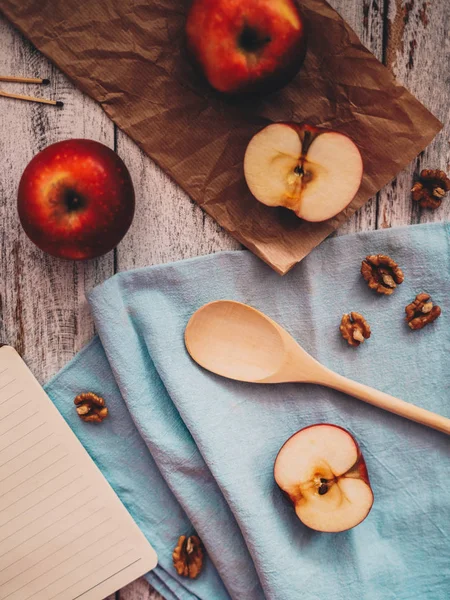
(385, 401)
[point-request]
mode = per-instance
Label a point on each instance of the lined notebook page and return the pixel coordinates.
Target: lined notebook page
(64, 534)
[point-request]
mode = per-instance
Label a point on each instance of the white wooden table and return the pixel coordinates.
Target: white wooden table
(43, 312)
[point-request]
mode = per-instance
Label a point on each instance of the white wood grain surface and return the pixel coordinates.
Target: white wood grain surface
(43, 312)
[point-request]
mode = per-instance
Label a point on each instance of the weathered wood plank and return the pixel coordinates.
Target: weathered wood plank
(42, 305)
(366, 18)
(139, 590)
(43, 312)
(168, 226)
(418, 52)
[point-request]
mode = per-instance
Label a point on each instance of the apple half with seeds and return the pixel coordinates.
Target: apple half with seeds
(322, 471)
(313, 171)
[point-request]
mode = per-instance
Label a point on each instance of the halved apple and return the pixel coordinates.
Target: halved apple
(322, 471)
(315, 172)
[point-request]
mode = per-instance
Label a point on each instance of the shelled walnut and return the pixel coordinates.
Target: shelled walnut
(90, 407)
(354, 328)
(382, 273)
(188, 556)
(431, 188)
(421, 311)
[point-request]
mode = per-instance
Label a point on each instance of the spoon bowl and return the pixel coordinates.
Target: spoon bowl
(239, 342)
(235, 340)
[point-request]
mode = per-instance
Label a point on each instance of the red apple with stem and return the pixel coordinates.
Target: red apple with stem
(246, 46)
(313, 171)
(76, 199)
(322, 471)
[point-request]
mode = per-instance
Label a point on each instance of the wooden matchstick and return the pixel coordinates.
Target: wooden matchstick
(12, 79)
(31, 99)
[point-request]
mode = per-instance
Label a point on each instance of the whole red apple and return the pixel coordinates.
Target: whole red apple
(246, 46)
(76, 199)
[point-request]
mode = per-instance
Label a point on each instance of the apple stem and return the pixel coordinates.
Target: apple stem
(73, 201)
(250, 40)
(308, 139)
(299, 171)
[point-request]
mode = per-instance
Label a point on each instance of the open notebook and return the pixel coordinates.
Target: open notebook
(64, 534)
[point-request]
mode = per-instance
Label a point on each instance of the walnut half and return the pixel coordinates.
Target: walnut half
(354, 328)
(382, 273)
(90, 407)
(421, 311)
(431, 188)
(188, 556)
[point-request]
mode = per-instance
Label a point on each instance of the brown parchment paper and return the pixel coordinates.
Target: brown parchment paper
(129, 56)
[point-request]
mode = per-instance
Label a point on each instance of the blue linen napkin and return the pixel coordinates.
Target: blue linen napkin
(185, 449)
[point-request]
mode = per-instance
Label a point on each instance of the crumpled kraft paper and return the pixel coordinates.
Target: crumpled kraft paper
(129, 55)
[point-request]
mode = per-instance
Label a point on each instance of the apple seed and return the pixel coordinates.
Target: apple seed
(323, 488)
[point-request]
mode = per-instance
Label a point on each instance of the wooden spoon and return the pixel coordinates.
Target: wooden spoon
(239, 342)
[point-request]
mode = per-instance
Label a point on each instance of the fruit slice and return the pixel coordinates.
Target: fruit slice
(322, 471)
(314, 172)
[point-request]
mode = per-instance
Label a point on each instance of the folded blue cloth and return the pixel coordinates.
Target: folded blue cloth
(187, 450)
